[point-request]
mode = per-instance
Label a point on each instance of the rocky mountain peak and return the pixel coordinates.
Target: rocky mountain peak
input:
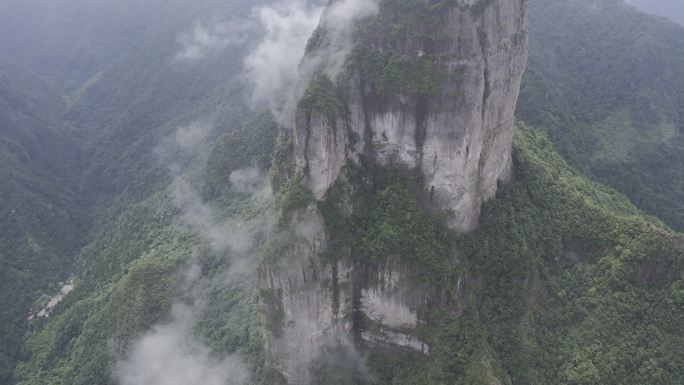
(429, 86)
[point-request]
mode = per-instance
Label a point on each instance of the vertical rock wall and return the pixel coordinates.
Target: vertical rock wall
(430, 87)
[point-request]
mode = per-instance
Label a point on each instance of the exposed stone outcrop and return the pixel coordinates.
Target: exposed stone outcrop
(304, 302)
(437, 98)
(313, 305)
(429, 87)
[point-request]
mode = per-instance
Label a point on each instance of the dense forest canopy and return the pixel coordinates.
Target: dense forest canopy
(607, 83)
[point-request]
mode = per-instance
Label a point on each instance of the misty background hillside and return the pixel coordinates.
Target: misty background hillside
(145, 160)
(606, 82)
(671, 9)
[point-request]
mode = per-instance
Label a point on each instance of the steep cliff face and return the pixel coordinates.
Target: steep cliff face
(317, 306)
(428, 89)
(304, 304)
(432, 87)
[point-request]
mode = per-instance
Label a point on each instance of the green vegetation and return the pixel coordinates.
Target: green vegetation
(564, 262)
(321, 96)
(283, 167)
(96, 326)
(292, 196)
(386, 220)
(567, 282)
(251, 144)
(129, 270)
(404, 19)
(392, 75)
(133, 269)
(70, 171)
(41, 226)
(400, 22)
(605, 81)
(408, 25)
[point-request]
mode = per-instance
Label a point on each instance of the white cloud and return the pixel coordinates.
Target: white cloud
(343, 12)
(272, 65)
(247, 180)
(200, 218)
(170, 355)
(189, 137)
(277, 69)
(179, 149)
(338, 20)
(206, 40)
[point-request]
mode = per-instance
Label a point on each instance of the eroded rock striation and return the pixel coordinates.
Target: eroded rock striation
(427, 87)
(430, 86)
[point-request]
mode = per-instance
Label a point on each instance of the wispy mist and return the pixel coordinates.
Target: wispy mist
(339, 20)
(247, 180)
(277, 68)
(271, 67)
(178, 150)
(205, 40)
(200, 218)
(171, 353)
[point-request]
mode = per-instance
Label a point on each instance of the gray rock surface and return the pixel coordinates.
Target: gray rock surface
(313, 306)
(302, 311)
(455, 136)
(458, 137)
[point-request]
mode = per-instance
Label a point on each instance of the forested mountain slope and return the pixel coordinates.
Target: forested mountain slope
(69, 42)
(87, 93)
(130, 72)
(564, 282)
(42, 226)
(538, 305)
(365, 253)
(607, 82)
(137, 267)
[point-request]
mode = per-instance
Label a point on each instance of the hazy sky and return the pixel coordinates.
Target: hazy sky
(672, 9)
